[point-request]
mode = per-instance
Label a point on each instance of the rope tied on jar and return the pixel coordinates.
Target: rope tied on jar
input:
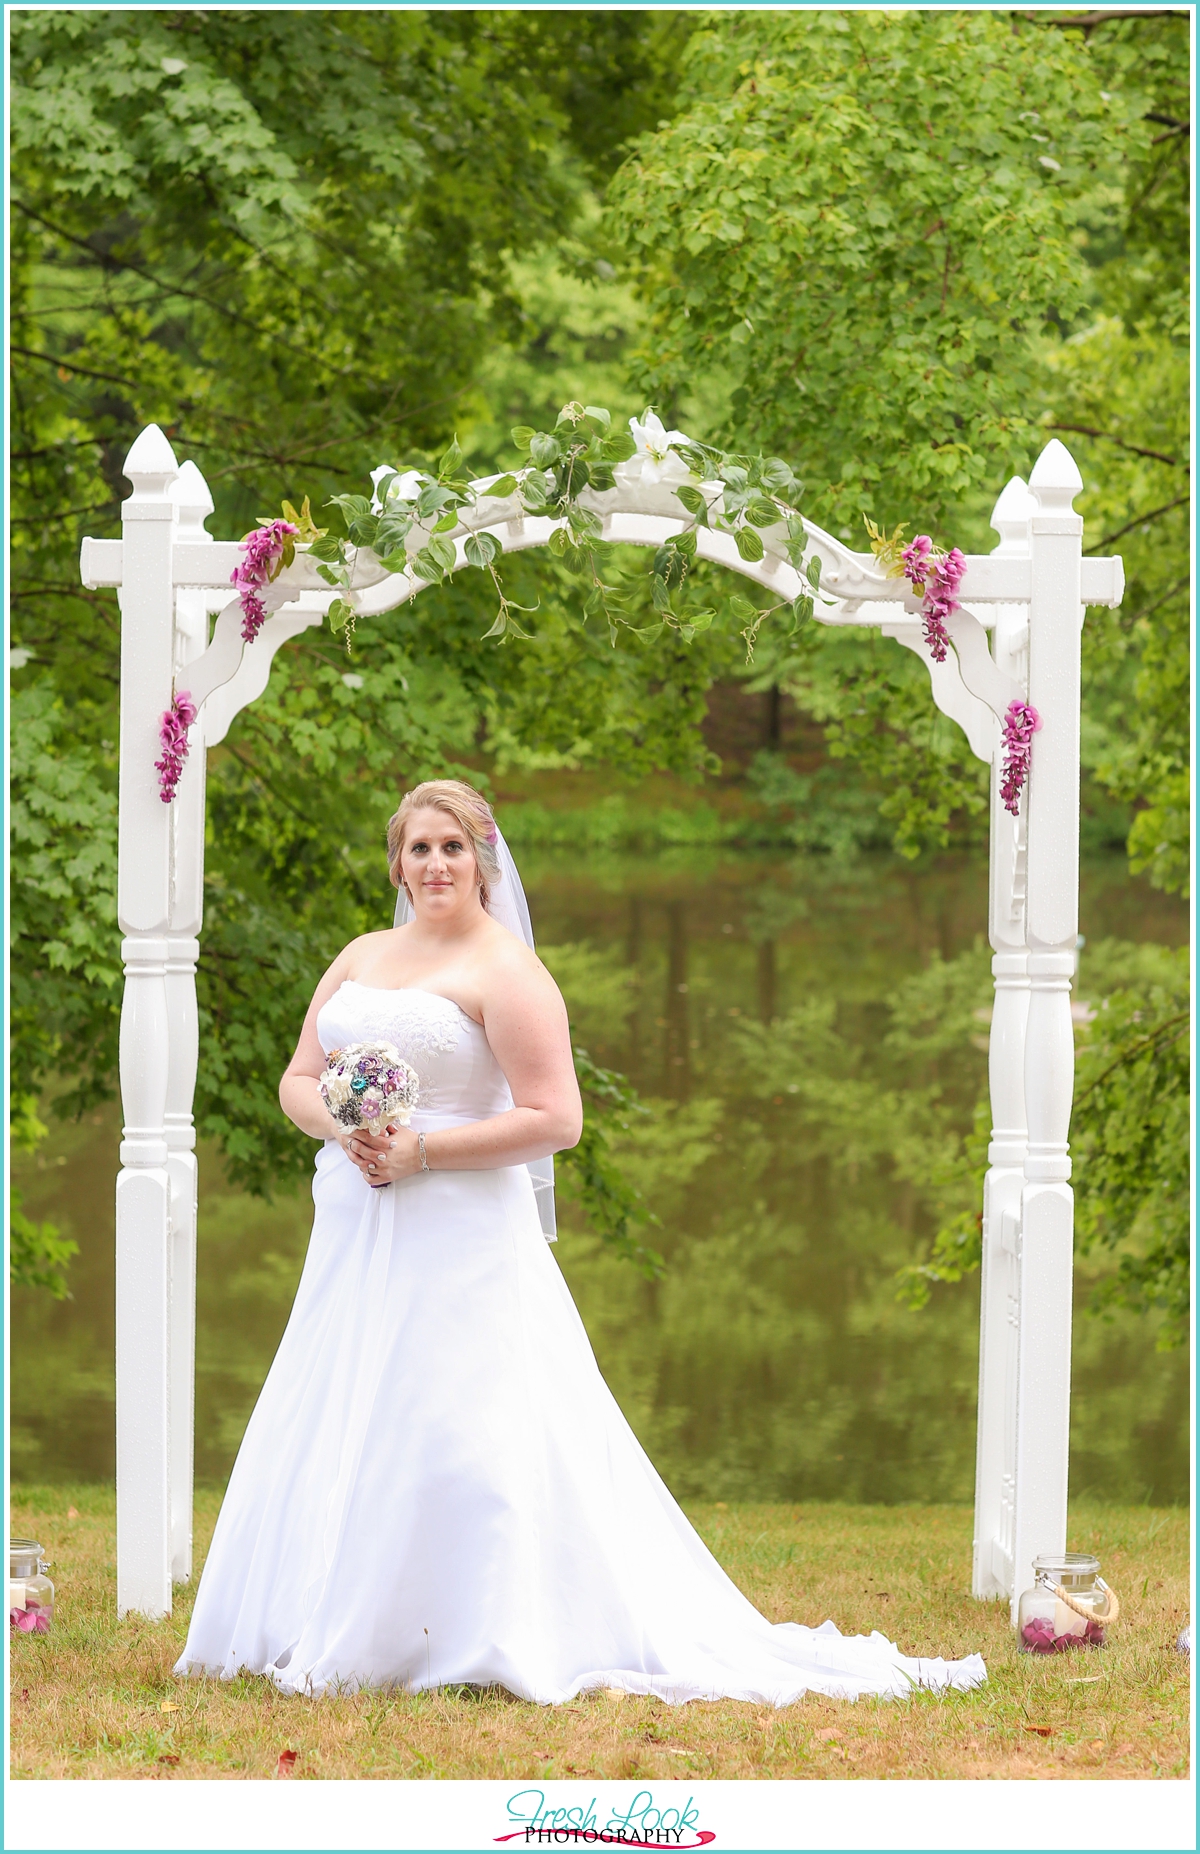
(1110, 1613)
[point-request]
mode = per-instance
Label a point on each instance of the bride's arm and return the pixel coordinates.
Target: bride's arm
(526, 1024)
(299, 1095)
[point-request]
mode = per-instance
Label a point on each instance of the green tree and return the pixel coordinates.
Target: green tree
(910, 245)
(295, 241)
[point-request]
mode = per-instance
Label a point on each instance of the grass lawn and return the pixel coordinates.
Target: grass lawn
(96, 1698)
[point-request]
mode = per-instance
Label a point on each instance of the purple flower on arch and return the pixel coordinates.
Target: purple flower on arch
(1021, 722)
(172, 735)
(937, 578)
(266, 550)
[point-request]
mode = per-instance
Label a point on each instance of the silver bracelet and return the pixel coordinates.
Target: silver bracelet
(421, 1150)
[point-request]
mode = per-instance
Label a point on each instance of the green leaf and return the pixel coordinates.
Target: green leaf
(802, 608)
(762, 513)
(558, 543)
(813, 572)
(522, 436)
(329, 547)
(363, 530)
(618, 448)
(503, 486)
(533, 491)
(749, 544)
(698, 458)
(451, 459)
(448, 522)
(778, 475)
(660, 595)
(744, 611)
(432, 499)
(442, 551)
(331, 575)
(481, 549)
(544, 450)
(351, 507)
(600, 416)
(685, 543)
(499, 625)
(601, 476)
(585, 524)
(392, 532)
(700, 621)
(340, 615)
(396, 561)
(428, 566)
(692, 500)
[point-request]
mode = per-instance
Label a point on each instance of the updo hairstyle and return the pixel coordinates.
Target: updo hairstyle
(470, 811)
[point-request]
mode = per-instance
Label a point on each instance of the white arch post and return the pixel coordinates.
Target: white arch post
(1030, 593)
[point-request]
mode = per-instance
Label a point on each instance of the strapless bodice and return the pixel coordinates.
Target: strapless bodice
(459, 1076)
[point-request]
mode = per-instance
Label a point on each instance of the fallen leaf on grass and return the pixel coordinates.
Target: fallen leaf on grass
(286, 1764)
(171, 1757)
(25, 1693)
(169, 1706)
(71, 1513)
(1043, 1731)
(1097, 1744)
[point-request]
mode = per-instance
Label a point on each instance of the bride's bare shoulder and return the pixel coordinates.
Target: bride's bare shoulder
(509, 960)
(357, 955)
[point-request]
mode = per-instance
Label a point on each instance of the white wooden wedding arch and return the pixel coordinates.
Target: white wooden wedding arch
(1030, 593)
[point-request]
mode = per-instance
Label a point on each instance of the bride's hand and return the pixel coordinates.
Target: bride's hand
(383, 1158)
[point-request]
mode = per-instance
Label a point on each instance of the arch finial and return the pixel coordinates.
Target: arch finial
(1010, 517)
(1055, 478)
(151, 463)
(193, 499)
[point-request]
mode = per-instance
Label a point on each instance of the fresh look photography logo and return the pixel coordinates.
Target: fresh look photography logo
(639, 1824)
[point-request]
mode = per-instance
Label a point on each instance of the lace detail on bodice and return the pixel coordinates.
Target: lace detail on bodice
(419, 1023)
(458, 1074)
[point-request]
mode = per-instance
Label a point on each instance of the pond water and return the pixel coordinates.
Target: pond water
(754, 1004)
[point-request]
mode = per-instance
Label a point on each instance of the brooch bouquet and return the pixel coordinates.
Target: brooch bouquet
(369, 1085)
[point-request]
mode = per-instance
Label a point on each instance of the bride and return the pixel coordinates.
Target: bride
(436, 1486)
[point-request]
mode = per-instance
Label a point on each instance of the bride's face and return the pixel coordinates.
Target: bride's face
(438, 865)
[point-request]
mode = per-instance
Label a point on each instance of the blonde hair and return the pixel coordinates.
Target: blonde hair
(470, 811)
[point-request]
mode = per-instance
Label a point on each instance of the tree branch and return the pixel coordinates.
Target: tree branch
(1136, 523)
(94, 508)
(90, 373)
(113, 264)
(1087, 431)
(1137, 1049)
(1086, 22)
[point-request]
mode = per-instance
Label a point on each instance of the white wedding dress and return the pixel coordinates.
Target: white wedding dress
(437, 1486)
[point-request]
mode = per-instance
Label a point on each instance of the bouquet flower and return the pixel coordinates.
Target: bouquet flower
(369, 1085)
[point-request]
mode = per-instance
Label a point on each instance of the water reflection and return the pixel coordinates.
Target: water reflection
(773, 1360)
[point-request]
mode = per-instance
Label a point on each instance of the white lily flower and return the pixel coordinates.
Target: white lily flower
(406, 488)
(655, 461)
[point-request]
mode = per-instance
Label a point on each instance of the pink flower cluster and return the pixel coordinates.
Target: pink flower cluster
(172, 732)
(33, 1620)
(937, 578)
(1038, 1636)
(262, 548)
(1021, 722)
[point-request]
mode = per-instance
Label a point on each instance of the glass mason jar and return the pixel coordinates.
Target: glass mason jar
(1069, 1606)
(30, 1592)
